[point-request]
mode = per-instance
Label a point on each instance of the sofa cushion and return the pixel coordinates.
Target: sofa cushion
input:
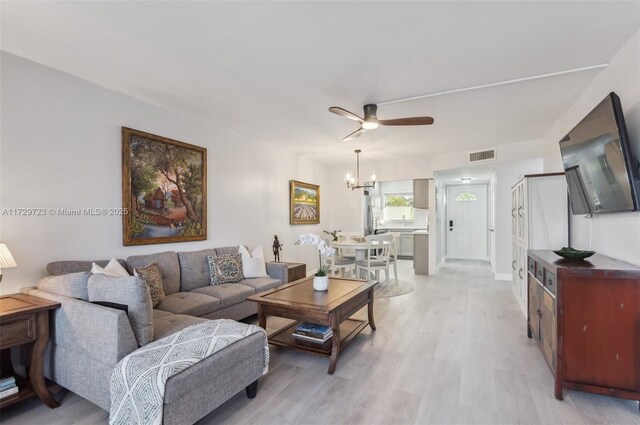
(57, 268)
(165, 325)
(152, 276)
(129, 291)
(194, 269)
(227, 250)
(168, 264)
(160, 313)
(261, 284)
(72, 285)
(228, 293)
(189, 303)
(225, 268)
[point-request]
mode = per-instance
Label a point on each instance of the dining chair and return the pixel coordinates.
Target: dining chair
(393, 253)
(347, 234)
(379, 249)
(340, 264)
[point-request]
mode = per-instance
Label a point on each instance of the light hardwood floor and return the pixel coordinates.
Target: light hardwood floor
(454, 351)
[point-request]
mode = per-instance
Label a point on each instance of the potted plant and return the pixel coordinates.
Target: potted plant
(321, 278)
(333, 234)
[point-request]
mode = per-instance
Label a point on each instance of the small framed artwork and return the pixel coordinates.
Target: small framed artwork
(304, 203)
(164, 189)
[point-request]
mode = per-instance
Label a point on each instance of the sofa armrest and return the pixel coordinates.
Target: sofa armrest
(278, 271)
(101, 333)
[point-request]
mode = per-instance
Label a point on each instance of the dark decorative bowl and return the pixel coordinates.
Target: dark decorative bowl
(573, 254)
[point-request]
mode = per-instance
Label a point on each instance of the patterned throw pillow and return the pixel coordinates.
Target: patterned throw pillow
(225, 268)
(152, 276)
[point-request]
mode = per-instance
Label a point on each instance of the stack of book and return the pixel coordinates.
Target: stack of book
(8, 387)
(313, 333)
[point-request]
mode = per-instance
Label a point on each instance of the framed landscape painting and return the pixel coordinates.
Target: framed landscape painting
(164, 189)
(304, 203)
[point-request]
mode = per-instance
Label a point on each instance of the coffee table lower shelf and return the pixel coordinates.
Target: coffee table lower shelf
(348, 330)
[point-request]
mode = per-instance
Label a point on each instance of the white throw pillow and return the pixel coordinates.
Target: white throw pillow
(114, 269)
(253, 264)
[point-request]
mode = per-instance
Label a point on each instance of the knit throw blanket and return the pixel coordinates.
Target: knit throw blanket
(138, 380)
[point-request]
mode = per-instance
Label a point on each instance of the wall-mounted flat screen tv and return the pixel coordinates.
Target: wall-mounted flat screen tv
(600, 169)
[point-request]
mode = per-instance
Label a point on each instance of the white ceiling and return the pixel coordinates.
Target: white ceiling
(270, 70)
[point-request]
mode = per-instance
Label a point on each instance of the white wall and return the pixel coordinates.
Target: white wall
(440, 222)
(616, 235)
(61, 148)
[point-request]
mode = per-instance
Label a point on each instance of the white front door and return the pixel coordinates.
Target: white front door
(467, 222)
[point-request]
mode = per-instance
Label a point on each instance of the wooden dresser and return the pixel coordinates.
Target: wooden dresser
(585, 317)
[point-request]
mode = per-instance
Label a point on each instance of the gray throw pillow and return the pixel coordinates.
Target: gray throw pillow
(225, 268)
(133, 293)
(73, 285)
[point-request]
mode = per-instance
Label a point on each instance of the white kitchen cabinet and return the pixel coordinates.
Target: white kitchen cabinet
(421, 193)
(405, 248)
(539, 211)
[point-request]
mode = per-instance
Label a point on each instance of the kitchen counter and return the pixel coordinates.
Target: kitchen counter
(401, 229)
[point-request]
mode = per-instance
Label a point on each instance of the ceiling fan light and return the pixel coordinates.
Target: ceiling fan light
(370, 125)
(347, 176)
(373, 177)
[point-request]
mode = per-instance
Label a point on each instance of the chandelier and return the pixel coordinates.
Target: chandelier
(353, 182)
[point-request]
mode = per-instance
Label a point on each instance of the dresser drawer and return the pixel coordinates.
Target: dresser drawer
(17, 331)
(550, 282)
(532, 266)
(540, 272)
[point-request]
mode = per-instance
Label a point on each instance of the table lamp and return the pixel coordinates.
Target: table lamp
(6, 259)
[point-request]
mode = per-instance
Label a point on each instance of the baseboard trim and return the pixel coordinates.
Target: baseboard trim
(502, 276)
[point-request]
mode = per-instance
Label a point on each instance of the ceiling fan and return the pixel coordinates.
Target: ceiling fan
(371, 121)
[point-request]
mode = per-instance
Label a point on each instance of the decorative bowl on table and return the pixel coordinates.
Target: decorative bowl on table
(358, 239)
(573, 254)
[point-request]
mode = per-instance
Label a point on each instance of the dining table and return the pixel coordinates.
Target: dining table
(360, 248)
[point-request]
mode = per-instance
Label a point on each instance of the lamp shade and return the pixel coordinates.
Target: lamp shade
(6, 259)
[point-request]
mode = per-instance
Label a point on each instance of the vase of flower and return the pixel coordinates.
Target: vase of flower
(334, 234)
(321, 283)
(321, 278)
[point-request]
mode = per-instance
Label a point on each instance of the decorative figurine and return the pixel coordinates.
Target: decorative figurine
(277, 247)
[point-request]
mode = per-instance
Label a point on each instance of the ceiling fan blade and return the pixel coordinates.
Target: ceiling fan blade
(344, 113)
(408, 121)
(354, 135)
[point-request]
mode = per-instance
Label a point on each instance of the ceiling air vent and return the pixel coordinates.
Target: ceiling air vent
(482, 155)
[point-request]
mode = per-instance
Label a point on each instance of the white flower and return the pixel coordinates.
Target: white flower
(312, 239)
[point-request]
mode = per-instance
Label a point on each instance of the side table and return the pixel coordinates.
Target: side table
(24, 320)
(297, 271)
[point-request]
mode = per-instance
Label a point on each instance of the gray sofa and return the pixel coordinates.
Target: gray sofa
(87, 340)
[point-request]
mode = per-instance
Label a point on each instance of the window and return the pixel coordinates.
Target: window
(466, 196)
(398, 207)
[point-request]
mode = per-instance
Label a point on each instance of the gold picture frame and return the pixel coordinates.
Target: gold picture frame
(304, 203)
(164, 189)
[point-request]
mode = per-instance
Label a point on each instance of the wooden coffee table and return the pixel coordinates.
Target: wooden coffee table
(334, 307)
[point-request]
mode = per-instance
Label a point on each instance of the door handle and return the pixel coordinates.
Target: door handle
(513, 264)
(520, 273)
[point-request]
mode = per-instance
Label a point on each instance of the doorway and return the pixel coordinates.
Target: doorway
(467, 222)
